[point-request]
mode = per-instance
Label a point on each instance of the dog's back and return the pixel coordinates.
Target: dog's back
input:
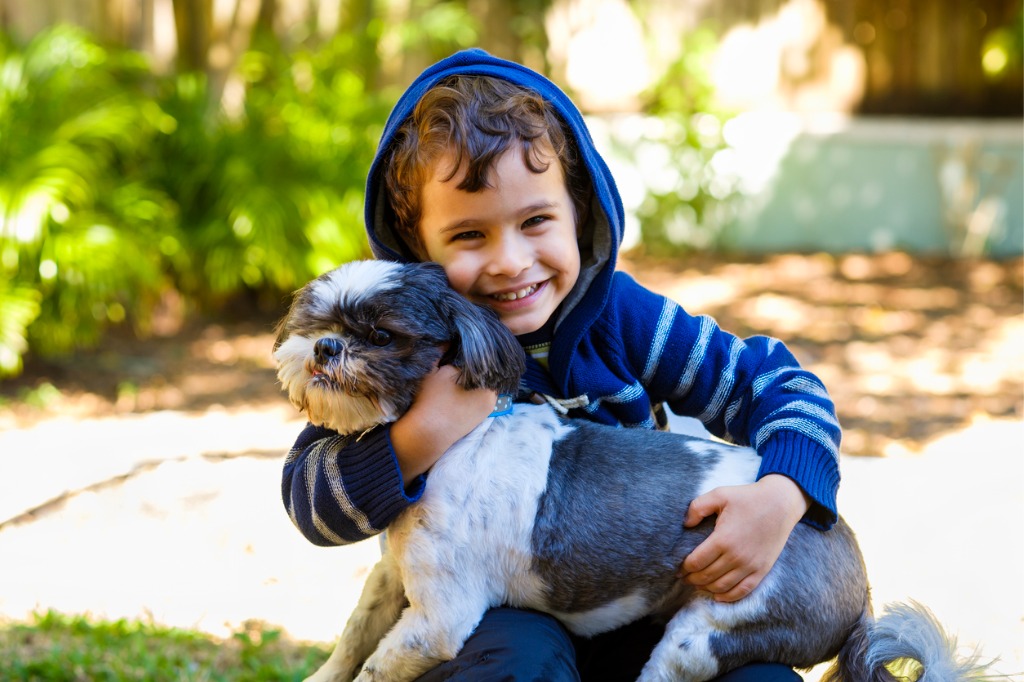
(610, 529)
(608, 539)
(586, 522)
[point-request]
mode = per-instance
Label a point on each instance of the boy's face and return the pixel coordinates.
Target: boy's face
(511, 247)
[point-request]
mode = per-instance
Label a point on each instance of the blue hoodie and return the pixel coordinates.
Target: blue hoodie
(617, 354)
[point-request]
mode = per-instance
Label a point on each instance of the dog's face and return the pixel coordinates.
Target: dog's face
(358, 341)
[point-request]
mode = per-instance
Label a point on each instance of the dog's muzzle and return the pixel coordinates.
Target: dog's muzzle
(326, 349)
(328, 353)
(332, 368)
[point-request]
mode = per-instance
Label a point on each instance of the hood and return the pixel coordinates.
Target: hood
(599, 240)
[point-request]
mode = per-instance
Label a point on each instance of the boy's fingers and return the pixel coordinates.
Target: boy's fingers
(697, 560)
(740, 590)
(725, 582)
(705, 563)
(702, 507)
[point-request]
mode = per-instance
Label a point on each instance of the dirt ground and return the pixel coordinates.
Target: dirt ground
(909, 348)
(140, 479)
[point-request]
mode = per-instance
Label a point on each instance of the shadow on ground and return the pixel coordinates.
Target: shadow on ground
(910, 348)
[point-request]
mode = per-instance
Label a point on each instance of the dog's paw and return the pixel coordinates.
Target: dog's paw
(326, 674)
(369, 675)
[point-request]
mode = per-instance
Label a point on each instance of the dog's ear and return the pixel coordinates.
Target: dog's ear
(483, 349)
(280, 331)
(284, 326)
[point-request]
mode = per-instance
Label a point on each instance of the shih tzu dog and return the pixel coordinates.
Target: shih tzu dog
(576, 519)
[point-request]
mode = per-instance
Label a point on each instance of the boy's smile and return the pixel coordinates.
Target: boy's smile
(511, 246)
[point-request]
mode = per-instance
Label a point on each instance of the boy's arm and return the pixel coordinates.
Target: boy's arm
(753, 392)
(748, 391)
(342, 489)
(441, 414)
(761, 397)
(784, 413)
(754, 522)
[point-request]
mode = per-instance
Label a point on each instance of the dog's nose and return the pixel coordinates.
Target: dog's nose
(326, 348)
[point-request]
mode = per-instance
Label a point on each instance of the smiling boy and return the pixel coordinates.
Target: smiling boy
(510, 246)
(487, 168)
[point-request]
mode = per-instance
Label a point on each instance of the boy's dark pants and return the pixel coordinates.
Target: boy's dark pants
(513, 645)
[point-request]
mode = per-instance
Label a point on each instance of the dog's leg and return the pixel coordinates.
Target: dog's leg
(378, 609)
(429, 633)
(686, 652)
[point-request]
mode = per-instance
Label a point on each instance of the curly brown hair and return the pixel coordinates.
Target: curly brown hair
(476, 119)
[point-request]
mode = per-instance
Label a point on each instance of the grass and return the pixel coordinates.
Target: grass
(74, 648)
(56, 647)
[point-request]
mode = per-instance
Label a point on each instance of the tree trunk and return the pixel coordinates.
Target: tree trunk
(357, 21)
(229, 39)
(266, 17)
(193, 20)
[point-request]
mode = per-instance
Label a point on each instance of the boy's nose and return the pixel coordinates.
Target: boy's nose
(511, 256)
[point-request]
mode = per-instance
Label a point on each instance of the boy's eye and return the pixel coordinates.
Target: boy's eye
(535, 220)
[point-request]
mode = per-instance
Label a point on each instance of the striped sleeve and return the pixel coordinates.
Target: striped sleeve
(749, 391)
(339, 489)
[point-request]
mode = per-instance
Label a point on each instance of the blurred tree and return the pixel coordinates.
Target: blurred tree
(193, 24)
(76, 227)
(360, 21)
(213, 45)
(117, 186)
(689, 196)
(238, 173)
(514, 30)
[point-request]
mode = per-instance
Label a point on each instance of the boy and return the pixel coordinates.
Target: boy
(488, 169)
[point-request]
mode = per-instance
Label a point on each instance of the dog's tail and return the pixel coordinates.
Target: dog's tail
(906, 637)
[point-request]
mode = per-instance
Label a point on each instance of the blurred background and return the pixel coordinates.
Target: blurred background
(159, 157)
(843, 175)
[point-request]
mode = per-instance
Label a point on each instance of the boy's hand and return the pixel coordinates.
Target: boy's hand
(442, 413)
(754, 522)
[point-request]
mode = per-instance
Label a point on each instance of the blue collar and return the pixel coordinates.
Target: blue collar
(503, 406)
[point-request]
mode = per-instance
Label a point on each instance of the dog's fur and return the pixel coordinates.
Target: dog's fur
(568, 517)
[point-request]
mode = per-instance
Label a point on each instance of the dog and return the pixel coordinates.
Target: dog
(576, 519)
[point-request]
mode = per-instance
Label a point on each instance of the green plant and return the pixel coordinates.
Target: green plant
(272, 195)
(75, 230)
(19, 307)
(689, 195)
(120, 188)
(56, 647)
(117, 185)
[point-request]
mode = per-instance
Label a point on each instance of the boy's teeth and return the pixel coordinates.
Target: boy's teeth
(513, 295)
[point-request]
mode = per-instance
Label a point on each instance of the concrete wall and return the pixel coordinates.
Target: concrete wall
(869, 185)
(839, 184)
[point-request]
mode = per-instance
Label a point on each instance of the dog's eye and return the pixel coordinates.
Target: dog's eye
(379, 337)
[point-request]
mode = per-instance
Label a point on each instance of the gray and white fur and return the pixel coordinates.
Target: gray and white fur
(576, 519)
